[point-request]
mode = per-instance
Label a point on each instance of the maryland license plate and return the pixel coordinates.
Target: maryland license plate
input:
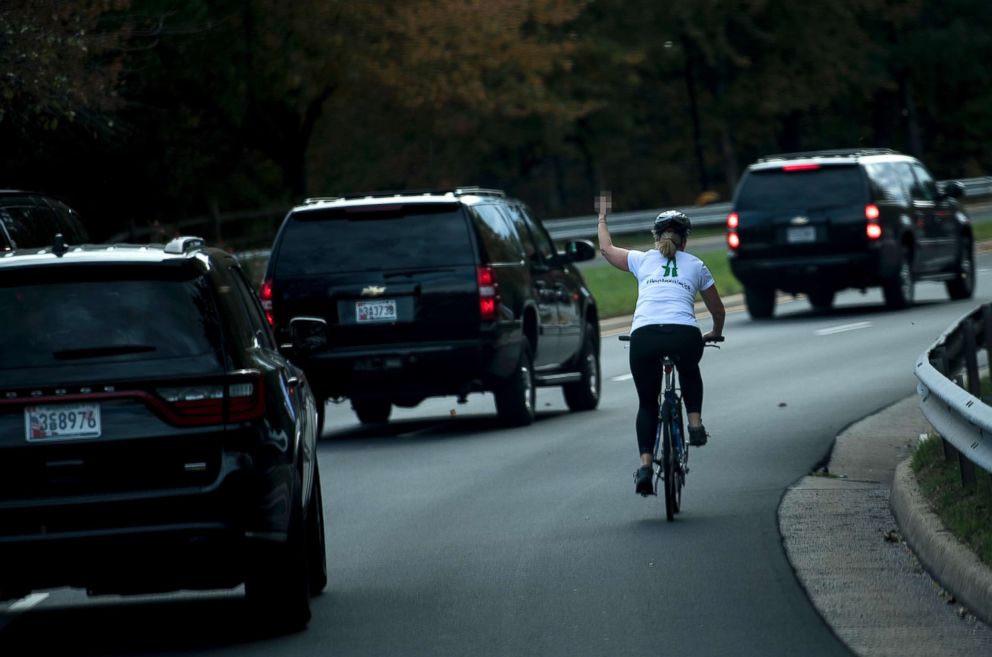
(801, 234)
(380, 310)
(52, 422)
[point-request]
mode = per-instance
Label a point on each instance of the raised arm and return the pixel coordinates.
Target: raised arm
(613, 254)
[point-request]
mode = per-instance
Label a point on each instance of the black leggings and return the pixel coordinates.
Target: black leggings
(648, 345)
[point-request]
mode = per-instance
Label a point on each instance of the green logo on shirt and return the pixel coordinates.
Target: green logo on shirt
(671, 268)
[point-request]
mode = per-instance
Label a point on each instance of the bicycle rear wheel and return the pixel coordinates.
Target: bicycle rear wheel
(668, 475)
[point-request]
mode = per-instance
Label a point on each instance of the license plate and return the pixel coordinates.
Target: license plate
(62, 422)
(380, 310)
(801, 234)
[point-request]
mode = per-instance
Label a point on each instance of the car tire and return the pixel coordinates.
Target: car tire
(760, 301)
(316, 544)
(516, 398)
(962, 286)
(898, 290)
(373, 411)
(583, 395)
(821, 299)
(277, 586)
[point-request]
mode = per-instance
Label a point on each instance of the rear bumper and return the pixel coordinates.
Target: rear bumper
(190, 538)
(834, 271)
(411, 371)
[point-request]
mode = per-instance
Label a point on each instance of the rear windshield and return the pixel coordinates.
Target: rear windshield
(826, 187)
(380, 238)
(81, 318)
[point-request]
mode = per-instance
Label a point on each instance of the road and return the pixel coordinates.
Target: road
(449, 535)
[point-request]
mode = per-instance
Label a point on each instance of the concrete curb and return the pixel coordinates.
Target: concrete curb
(952, 564)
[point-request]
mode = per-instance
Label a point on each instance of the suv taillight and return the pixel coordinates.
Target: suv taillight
(265, 295)
(238, 399)
(733, 239)
(488, 293)
(873, 230)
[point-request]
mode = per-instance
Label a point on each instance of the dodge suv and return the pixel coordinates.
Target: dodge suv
(822, 221)
(152, 438)
(391, 298)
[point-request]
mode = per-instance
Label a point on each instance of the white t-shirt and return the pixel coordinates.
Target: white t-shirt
(666, 291)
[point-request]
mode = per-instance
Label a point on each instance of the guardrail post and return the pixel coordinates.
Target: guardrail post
(967, 470)
(971, 358)
(987, 326)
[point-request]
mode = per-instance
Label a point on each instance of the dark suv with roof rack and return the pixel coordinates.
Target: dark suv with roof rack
(393, 297)
(822, 221)
(152, 437)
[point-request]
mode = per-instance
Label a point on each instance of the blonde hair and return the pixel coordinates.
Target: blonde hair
(668, 243)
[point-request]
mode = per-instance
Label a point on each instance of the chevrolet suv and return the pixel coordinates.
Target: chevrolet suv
(390, 298)
(819, 222)
(152, 438)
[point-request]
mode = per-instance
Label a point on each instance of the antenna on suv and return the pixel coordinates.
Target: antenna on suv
(59, 247)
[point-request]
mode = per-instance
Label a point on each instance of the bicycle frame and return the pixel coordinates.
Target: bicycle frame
(672, 464)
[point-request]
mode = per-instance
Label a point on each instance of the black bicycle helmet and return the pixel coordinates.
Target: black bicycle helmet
(672, 220)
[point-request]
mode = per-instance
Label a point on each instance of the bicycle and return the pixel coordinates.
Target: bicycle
(673, 466)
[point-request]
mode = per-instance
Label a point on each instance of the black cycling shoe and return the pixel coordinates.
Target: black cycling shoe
(697, 436)
(642, 479)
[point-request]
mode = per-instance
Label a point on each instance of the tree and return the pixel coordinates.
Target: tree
(59, 63)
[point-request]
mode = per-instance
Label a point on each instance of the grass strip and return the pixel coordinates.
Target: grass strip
(966, 511)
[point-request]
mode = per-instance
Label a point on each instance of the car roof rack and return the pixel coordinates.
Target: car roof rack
(455, 191)
(839, 152)
(184, 243)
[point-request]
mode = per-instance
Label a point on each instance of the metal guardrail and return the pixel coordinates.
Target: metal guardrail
(950, 391)
(710, 215)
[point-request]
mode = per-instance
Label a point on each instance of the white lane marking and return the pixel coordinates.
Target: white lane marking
(27, 602)
(622, 377)
(841, 329)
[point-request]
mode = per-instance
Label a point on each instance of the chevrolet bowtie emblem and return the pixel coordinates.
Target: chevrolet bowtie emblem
(799, 221)
(373, 291)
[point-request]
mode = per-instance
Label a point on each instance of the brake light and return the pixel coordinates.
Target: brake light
(800, 167)
(874, 231)
(265, 296)
(216, 402)
(733, 239)
(488, 293)
(871, 212)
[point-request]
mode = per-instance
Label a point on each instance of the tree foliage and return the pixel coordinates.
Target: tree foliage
(238, 104)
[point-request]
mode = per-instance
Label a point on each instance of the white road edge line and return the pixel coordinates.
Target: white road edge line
(27, 602)
(622, 377)
(841, 329)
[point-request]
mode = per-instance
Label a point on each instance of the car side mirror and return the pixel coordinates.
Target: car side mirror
(580, 250)
(309, 335)
(954, 189)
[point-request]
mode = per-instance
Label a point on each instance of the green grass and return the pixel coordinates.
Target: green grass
(982, 231)
(616, 291)
(965, 511)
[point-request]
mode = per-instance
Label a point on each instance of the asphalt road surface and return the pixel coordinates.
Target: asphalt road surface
(449, 535)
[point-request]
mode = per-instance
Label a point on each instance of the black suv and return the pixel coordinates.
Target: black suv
(152, 438)
(403, 296)
(30, 221)
(823, 221)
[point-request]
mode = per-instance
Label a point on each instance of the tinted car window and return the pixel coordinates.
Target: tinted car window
(925, 185)
(498, 235)
(79, 317)
(541, 239)
(885, 182)
(29, 226)
(368, 239)
(828, 186)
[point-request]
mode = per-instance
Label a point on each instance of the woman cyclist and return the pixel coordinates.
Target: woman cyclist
(664, 323)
